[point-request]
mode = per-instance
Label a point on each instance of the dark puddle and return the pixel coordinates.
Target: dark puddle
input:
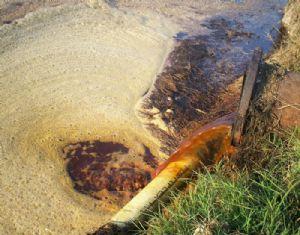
(200, 82)
(108, 171)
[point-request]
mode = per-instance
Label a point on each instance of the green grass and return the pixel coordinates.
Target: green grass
(265, 201)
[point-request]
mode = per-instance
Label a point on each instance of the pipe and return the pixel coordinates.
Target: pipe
(205, 147)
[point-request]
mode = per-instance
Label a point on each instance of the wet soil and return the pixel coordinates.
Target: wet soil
(201, 82)
(107, 171)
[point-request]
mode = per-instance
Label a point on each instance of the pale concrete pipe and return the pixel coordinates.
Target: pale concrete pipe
(205, 147)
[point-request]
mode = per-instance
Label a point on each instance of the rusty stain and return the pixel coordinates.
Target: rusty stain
(103, 171)
(205, 146)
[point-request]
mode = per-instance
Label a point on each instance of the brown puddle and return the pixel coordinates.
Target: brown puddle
(108, 171)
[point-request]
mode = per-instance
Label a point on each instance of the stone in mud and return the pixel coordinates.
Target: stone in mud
(288, 101)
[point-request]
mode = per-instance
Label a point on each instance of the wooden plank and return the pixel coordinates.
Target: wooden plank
(247, 90)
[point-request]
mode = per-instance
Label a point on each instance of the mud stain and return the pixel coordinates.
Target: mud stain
(106, 170)
(201, 80)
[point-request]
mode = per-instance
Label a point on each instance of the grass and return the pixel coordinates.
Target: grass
(263, 201)
(258, 191)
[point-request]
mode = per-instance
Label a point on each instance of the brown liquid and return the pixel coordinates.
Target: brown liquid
(105, 171)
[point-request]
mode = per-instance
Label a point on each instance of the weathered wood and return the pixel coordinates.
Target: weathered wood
(246, 94)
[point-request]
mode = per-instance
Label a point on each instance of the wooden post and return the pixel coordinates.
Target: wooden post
(247, 90)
